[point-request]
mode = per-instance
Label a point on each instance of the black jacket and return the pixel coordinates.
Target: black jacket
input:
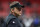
(12, 21)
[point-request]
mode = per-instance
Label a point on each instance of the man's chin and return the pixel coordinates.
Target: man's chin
(19, 14)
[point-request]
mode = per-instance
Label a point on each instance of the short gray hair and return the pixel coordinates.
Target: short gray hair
(13, 3)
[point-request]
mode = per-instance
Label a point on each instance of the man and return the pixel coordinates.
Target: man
(15, 11)
(27, 20)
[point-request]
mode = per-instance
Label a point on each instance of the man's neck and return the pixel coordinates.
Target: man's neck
(14, 14)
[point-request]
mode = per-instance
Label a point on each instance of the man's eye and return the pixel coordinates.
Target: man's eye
(19, 9)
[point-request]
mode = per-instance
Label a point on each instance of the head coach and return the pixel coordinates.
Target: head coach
(15, 11)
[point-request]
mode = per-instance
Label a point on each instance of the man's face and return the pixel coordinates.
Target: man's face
(18, 12)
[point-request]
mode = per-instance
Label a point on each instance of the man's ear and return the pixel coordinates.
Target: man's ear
(12, 10)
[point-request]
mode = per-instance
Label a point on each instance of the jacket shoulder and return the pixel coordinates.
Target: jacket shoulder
(9, 17)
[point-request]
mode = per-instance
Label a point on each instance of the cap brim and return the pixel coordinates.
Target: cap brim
(21, 6)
